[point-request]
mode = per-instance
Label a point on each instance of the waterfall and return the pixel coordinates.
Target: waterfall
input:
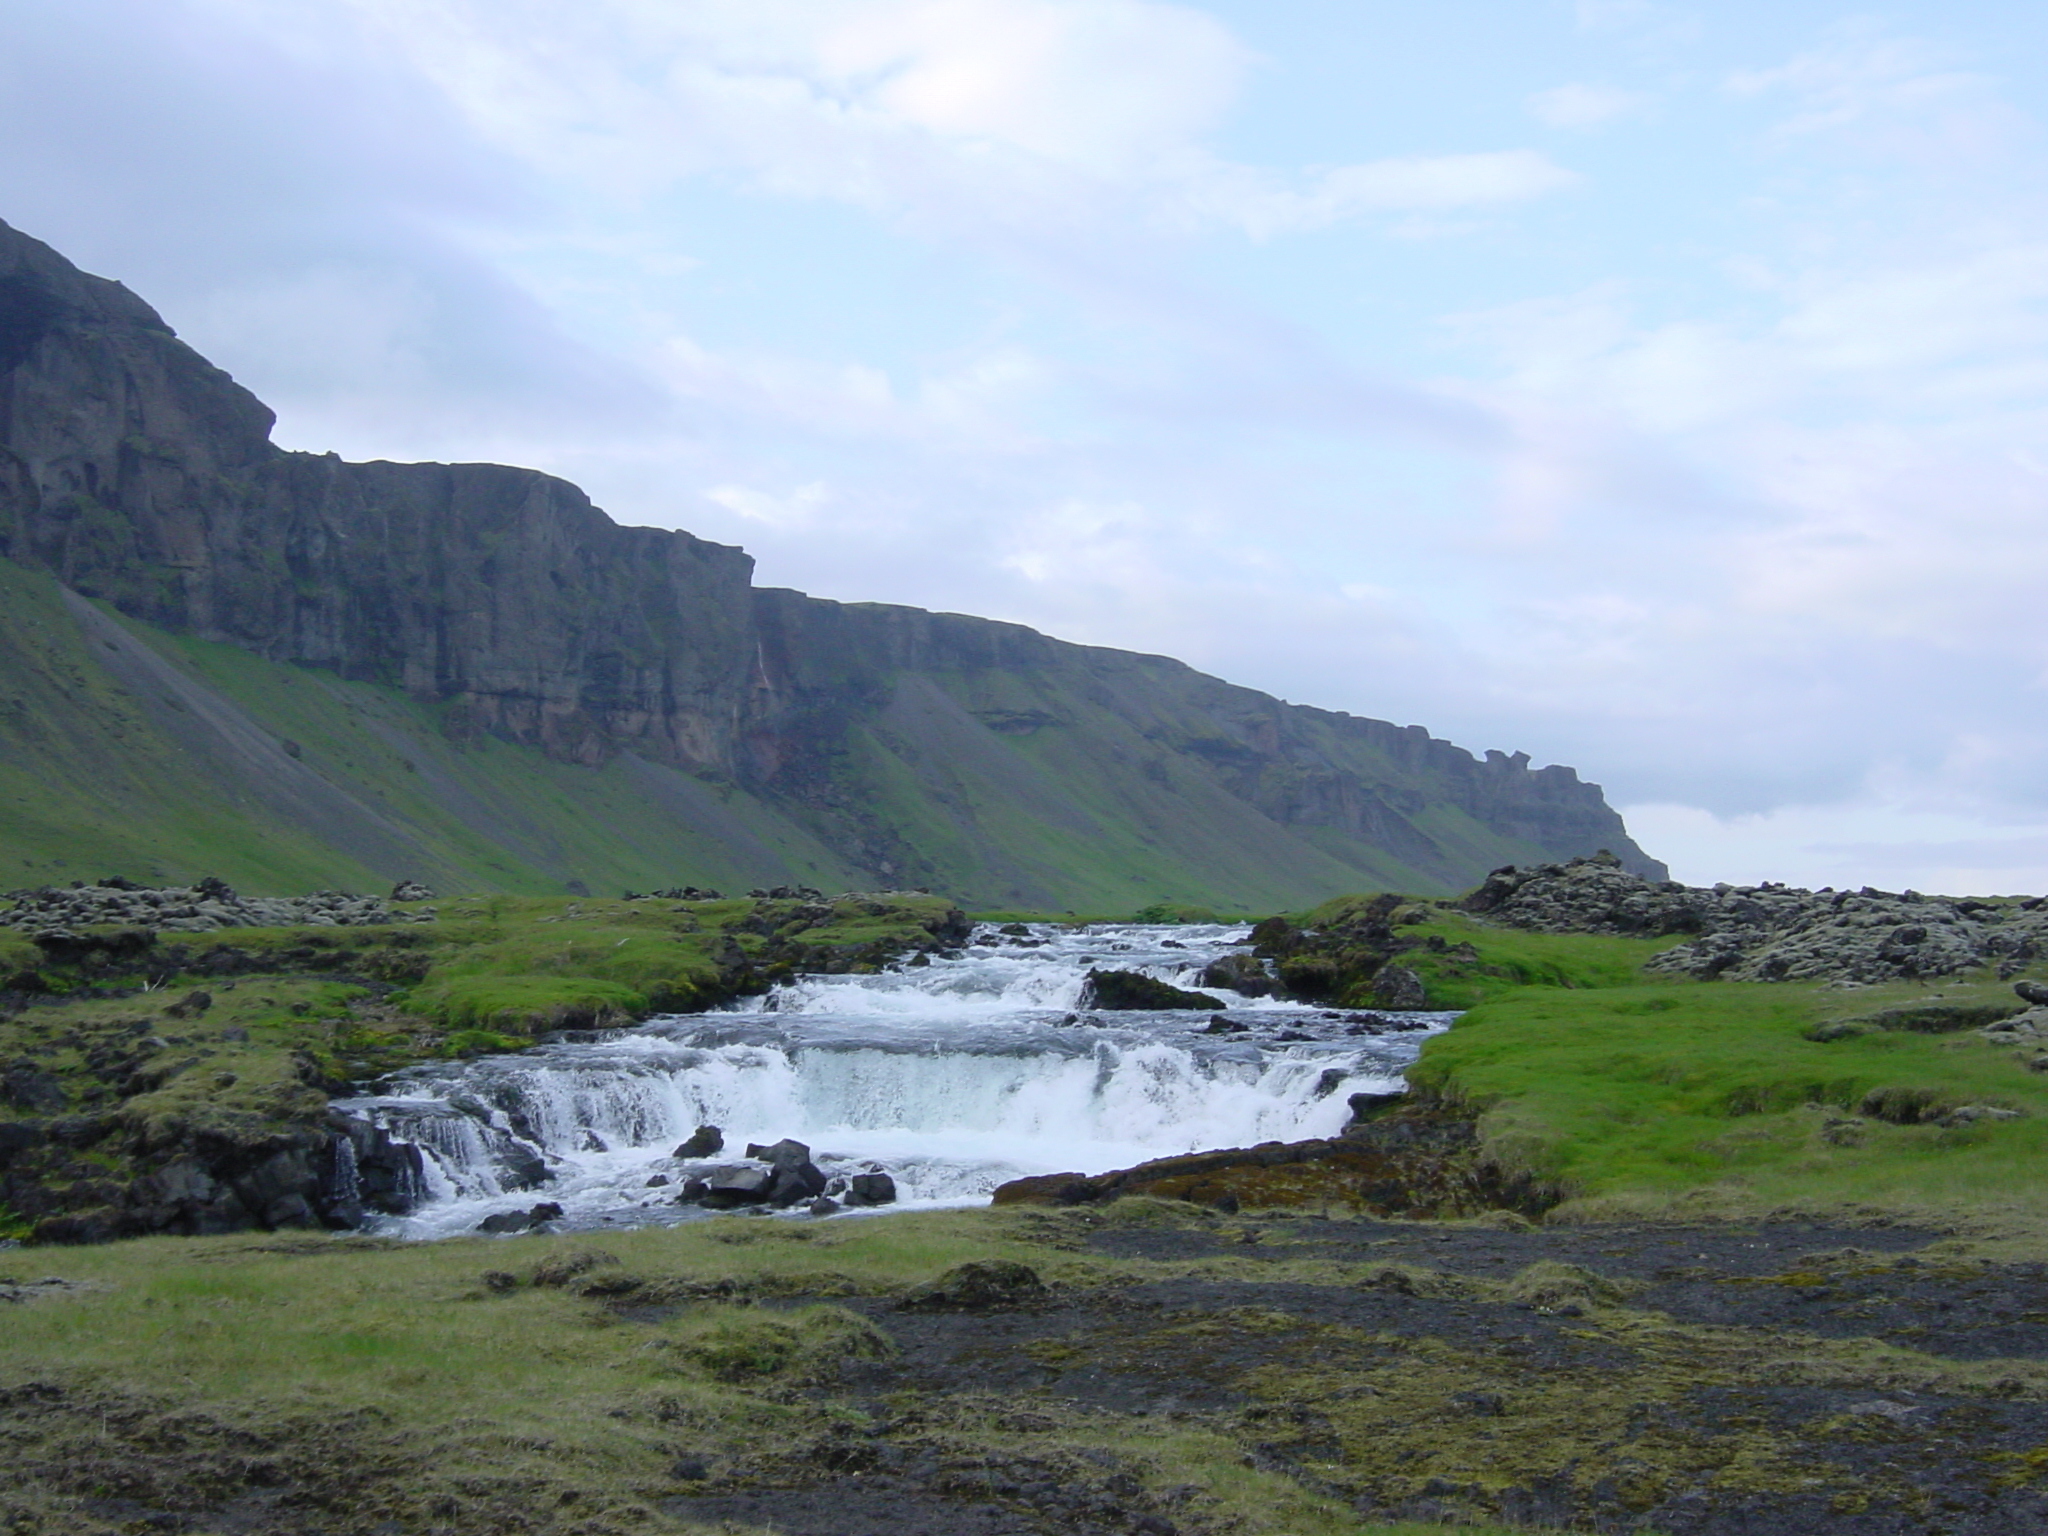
(953, 1077)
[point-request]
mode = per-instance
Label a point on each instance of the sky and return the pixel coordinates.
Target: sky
(1660, 389)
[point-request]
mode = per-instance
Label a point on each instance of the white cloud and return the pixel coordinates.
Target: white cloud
(1584, 106)
(1895, 95)
(796, 510)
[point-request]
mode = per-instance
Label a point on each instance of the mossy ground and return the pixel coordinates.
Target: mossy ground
(1202, 1373)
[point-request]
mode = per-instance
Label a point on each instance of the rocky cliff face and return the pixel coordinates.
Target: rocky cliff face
(137, 473)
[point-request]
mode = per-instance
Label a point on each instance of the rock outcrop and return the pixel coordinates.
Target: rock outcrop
(1769, 932)
(204, 908)
(139, 475)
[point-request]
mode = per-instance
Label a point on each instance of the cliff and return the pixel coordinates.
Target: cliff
(469, 673)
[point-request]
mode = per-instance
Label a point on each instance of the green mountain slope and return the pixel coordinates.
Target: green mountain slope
(125, 749)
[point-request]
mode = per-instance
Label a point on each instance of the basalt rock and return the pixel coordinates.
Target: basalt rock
(1769, 932)
(1240, 973)
(1132, 990)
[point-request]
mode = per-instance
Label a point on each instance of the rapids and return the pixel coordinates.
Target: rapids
(952, 1077)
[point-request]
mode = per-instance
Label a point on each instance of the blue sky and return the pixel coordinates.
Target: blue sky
(1654, 388)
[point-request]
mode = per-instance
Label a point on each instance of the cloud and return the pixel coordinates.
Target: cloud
(1584, 106)
(1889, 94)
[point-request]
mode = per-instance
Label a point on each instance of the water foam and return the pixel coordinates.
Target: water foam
(952, 1077)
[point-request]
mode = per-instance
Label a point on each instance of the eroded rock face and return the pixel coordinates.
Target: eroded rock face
(1769, 932)
(205, 1179)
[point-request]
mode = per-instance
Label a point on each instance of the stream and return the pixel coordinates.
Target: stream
(952, 1077)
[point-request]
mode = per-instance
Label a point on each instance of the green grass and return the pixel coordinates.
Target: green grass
(1710, 1095)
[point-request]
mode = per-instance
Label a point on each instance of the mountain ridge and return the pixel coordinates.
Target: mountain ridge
(864, 742)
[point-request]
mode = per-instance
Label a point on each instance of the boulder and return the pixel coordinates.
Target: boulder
(784, 1153)
(1240, 973)
(411, 890)
(1132, 990)
(736, 1185)
(795, 1181)
(871, 1189)
(705, 1141)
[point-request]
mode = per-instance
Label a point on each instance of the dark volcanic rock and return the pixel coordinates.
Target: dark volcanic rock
(1126, 990)
(1768, 932)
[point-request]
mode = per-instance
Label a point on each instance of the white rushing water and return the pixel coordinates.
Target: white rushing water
(952, 1077)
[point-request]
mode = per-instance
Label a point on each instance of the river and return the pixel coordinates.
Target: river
(952, 1077)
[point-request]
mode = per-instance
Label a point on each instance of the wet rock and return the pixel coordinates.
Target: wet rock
(657, 1181)
(976, 1286)
(520, 1221)
(871, 1189)
(1240, 973)
(1370, 1106)
(825, 1205)
(794, 1182)
(782, 1154)
(705, 1141)
(1221, 1025)
(1130, 990)
(737, 1185)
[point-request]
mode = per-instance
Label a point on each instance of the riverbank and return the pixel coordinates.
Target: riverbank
(175, 1075)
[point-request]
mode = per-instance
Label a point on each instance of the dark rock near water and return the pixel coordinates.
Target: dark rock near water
(1240, 973)
(705, 1141)
(1413, 1162)
(1112, 991)
(871, 1189)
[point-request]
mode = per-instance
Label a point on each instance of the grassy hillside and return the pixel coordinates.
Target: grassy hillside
(128, 750)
